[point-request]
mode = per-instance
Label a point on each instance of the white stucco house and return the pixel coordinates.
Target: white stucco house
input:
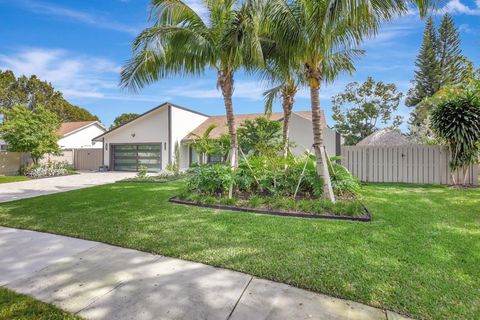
(150, 139)
(75, 135)
(80, 134)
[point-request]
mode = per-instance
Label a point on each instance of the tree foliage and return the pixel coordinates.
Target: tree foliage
(427, 73)
(180, 42)
(260, 136)
(361, 108)
(32, 92)
(456, 121)
(122, 119)
(33, 131)
(439, 64)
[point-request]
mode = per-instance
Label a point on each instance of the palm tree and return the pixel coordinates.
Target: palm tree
(180, 42)
(202, 144)
(286, 91)
(321, 35)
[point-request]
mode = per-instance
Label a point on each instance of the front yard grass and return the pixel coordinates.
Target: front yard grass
(7, 179)
(14, 306)
(419, 256)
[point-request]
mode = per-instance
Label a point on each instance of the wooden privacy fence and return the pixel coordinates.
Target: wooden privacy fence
(10, 162)
(87, 159)
(409, 164)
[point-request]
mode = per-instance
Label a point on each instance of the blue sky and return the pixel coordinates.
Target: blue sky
(80, 47)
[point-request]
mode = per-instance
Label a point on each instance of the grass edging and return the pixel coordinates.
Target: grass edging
(367, 218)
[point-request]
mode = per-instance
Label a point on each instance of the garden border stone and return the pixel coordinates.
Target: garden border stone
(366, 218)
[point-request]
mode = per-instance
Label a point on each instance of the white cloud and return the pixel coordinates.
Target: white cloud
(75, 75)
(251, 90)
(77, 15)
(457, 7)
(199, 7)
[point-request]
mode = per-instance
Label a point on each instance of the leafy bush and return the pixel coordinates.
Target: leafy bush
(210, 179)
(343, 183)
(49, 169)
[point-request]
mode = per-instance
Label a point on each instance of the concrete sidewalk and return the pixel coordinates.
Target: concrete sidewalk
(98, 281)
(38, 187)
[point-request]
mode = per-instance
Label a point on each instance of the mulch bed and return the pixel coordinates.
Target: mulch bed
(365, 218)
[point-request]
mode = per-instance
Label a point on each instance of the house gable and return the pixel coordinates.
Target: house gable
(82, 137)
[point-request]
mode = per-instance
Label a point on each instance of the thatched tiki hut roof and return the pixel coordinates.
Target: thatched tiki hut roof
(386, 138)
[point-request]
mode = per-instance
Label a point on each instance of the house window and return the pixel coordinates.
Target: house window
(3, 148)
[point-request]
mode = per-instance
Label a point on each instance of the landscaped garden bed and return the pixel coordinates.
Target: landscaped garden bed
(281, 206)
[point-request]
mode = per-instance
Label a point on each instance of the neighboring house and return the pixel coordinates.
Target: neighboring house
(80, 134)
(385, 138)
(150, 139)
(75, 135)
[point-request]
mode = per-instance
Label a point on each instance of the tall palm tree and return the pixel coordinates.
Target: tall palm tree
(322, 35)
(180, 42)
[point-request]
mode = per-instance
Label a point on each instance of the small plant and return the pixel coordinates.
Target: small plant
(142, 172)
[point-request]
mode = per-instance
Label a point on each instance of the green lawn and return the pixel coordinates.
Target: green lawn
(7, 179)
(14, 306)
(420, 256)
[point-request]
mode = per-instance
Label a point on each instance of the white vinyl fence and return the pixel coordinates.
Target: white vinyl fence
(409, 164)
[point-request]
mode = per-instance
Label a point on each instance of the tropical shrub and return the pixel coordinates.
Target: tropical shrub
(210, 179)
(344, 184)
(49, 169)
(456, 121)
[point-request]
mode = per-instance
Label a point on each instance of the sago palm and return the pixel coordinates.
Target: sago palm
(321, 35)
(180, 42)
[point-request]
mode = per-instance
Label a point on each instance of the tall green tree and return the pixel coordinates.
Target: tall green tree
(32, 92)
(181, 43)
(427, 73)
(122, 119)
(361, 108)
(452, 70)
(33, 131)
(439, 64)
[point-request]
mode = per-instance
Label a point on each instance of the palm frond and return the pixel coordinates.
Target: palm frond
(271, 95)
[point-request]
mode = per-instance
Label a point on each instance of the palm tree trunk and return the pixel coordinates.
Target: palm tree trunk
(319, 145)
(225, 80)
(287, 105)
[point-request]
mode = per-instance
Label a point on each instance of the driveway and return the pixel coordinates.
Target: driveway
(99, 281)
(38, 187)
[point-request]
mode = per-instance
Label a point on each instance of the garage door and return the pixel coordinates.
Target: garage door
(131, 157)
